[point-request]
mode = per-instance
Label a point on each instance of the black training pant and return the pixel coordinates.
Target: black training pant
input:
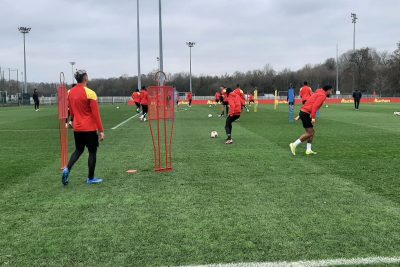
(228, 124)
(91, 141)
(36, 105)
(356, 103)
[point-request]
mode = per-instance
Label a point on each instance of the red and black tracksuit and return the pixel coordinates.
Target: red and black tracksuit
(235, 108)
(309, 110)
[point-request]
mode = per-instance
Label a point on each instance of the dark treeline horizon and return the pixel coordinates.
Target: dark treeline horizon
(373, 71)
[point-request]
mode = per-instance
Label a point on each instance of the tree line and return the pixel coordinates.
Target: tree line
(369, 70)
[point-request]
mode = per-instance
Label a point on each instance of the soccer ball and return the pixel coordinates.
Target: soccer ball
(117, 107)
(214, 134)
(209, 115)
(396, 113)
(209, 106)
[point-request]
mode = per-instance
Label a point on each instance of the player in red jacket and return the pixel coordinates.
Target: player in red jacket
(305, 92)
(189, 98)
(251, 99)
(136, 99)
(308, 114)
(240, 93)
(235, 108)
(88, 128)
(224, 101)
(217, 97)
(144, 102)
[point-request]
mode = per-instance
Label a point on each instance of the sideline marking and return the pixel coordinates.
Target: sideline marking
(313, 263)
(125, 121)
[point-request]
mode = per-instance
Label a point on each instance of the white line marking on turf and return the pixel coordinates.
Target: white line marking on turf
(314, 263)
(125, 121)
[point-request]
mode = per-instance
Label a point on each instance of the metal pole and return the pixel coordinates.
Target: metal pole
(190, 49)
(337, 68)
(72, 71)
(354, 20)
(25, 87)
(160, 38)
(138, 47)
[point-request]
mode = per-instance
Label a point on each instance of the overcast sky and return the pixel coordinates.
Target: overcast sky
(230, 35)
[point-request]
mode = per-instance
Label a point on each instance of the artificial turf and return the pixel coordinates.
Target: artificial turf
(247, 202)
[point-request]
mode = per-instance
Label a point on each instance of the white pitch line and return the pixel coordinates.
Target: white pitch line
(125, 121)
(314, 263)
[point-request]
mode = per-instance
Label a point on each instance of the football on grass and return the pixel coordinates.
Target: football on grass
(214, 134)
(209, 115)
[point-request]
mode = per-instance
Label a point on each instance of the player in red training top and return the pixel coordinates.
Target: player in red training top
(308, 114)
(136, 99)
(240, 93)
(305, 92)
(144, 102)
(189, 98)
(224, 101)
(251, 99)
(87, 126)
(235, 108)
(217, 97)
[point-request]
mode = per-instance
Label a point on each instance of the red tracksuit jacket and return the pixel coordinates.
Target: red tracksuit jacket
(314, 103)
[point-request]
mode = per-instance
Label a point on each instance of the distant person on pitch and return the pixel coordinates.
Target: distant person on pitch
(291, 99)
(136, 99)
(88, 127)
(217, 97)
(305, 93)
(357, 98)
(235, 108)
(35, 97)
(144, 102)
(189, 99)
(308, 114)
(224, 101)
(251, 99)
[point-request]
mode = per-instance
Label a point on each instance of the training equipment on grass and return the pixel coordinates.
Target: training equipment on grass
(214, 134)
(161, 121)
(62, 96)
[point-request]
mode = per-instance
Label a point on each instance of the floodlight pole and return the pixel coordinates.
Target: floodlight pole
(160, 39)
(72, 71)
(337, 68)
(138, 47)
(24, 30)
(190, 44)
(354, 21)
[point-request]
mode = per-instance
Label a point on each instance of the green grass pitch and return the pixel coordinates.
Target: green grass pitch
(248, 202)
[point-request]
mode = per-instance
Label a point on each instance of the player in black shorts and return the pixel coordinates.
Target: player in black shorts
(308, 114)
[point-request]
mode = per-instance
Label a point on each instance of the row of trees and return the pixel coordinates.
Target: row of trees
(373, 71)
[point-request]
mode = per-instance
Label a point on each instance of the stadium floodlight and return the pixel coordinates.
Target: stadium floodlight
(24, 30)
(72, 69)
(138, 48)
(190, 45)
(354, 21)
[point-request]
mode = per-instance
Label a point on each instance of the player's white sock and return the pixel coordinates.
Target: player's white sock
(297, 142)
(308, 146)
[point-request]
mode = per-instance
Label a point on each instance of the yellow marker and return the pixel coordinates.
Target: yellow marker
(276, 100)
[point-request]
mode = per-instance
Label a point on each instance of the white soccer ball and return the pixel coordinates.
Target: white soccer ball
(209, 106)
(117, 107)
(209, 115)
(214, 134)
(396, 113)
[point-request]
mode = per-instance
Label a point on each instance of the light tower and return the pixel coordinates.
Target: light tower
(190, 44)
(24, 30)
